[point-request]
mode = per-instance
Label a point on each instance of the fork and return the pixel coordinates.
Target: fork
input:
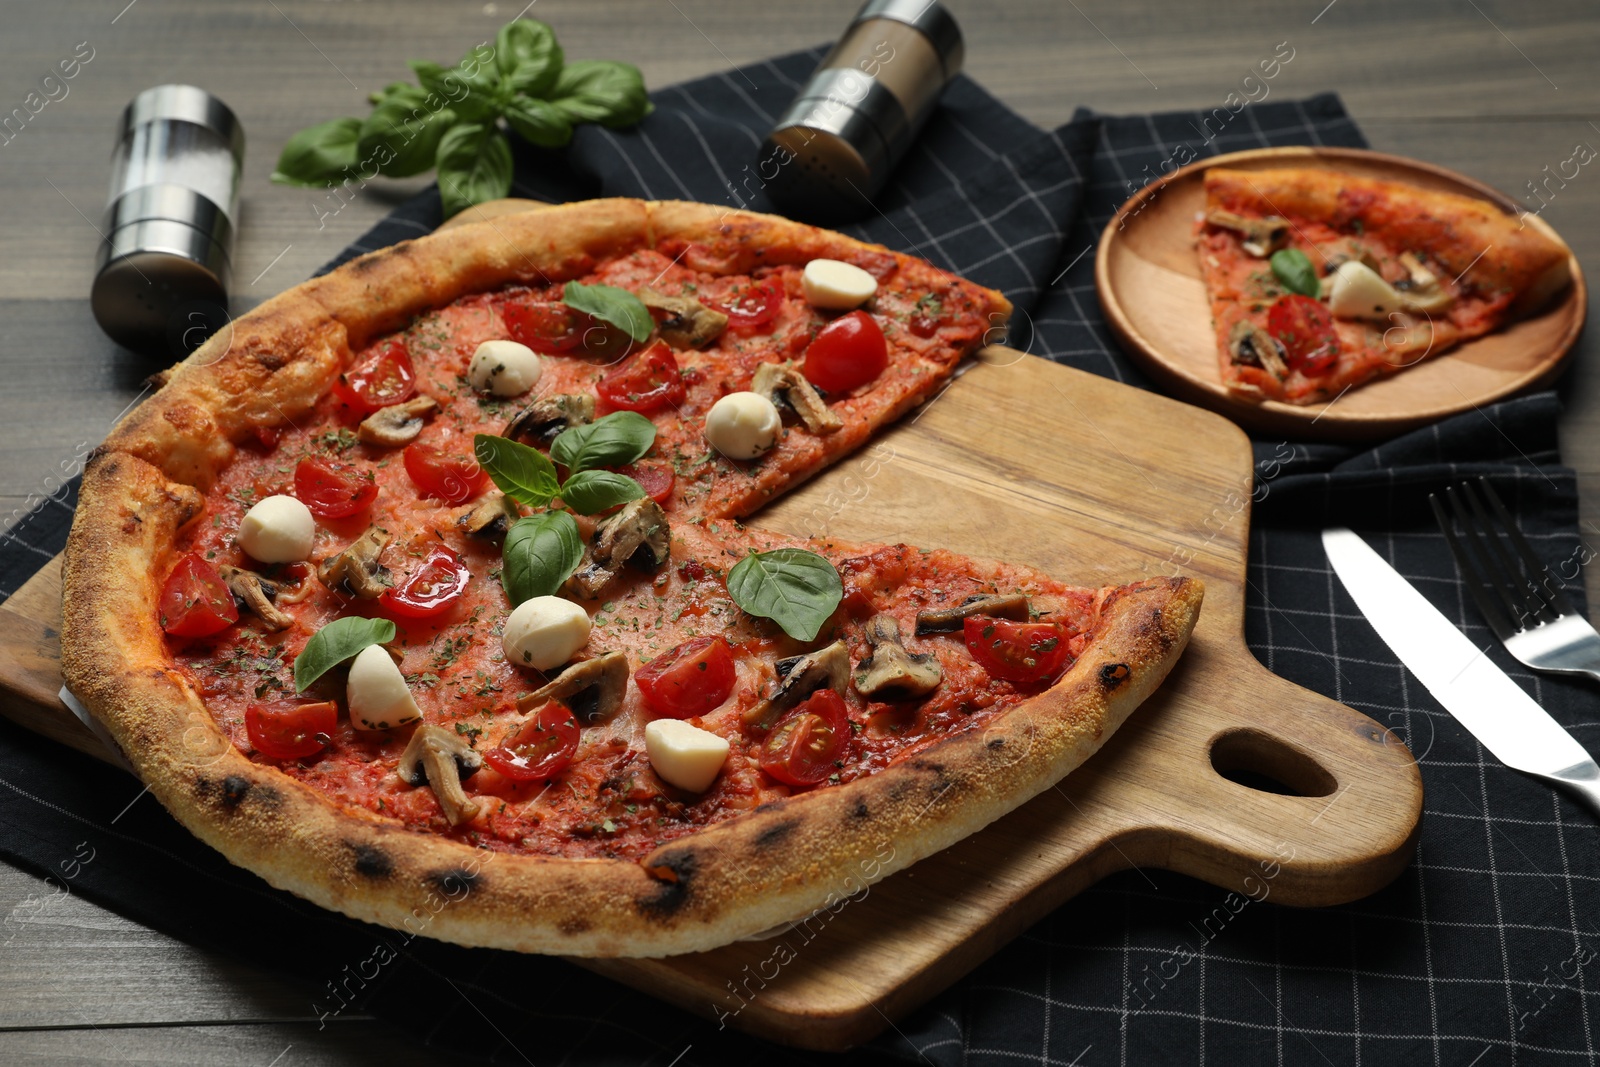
(1523, 604)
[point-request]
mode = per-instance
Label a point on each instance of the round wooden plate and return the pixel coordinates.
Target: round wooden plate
(1148, 277)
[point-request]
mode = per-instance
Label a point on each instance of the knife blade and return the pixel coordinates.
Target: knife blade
(1481, 697)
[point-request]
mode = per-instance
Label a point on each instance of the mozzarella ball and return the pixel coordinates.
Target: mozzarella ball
(683, 755)
(836, 285)
(504, 368)
(743, 425)
(545, 632)
(279, 529)
(377, 692)
(1359, 292)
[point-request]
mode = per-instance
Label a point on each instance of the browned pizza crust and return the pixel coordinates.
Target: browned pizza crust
(777, 863)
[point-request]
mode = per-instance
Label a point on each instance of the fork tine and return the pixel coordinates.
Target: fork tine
(1530, 608)
(1480, 589)
(1491, 573)
(1548, 586)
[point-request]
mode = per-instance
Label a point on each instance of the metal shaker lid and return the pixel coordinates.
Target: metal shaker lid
(184, 103)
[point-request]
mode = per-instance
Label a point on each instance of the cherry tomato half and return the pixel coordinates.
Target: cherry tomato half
(196, 602)
(646, 382)
(805, 745)
(333, 490)
(1310, 343)
(385, 378)
(1017, 651)
(654, 476)
(749, 305)
(690, 680)
(451, 478)
(849, 352)
(543, 746)
(543, 326)
(434, 587)
(291, 731)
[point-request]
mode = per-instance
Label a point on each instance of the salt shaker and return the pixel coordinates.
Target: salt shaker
(161, 280)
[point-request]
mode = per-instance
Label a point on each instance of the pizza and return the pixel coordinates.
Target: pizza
(422, 592)
(1320, 281)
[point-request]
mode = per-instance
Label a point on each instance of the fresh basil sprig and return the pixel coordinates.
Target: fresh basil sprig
(452, 120)
(335, 643)
(541, 552)
(794, 588)
(610, 441)
(609, 304)
(1295, 271)
(527, 476)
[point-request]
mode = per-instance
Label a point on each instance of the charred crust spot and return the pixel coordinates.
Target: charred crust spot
(675, 874)
(455, 882)
(1113, 675)
(771, 805)
(861, 811)
(775, 835)
(928, 765)
(234, 789)
(898, 790)
(996, 743)
(575, 926)
(372, 861)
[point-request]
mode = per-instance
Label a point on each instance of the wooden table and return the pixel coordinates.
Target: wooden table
(1497, 90)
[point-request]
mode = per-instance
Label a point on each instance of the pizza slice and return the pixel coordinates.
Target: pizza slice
(1320, 281)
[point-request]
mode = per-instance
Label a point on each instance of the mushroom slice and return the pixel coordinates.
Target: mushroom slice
(637, 535)
(948, 620)
(541, 421)
(688, 323)
(490, 518)
(1422, 291)
(890, 672)
(440, 758)
(1252, 346)
(798, 678)
(1260, 237)
(397, 424)
(357, 567)
(258, 594)
(783, 383)
(593, 689)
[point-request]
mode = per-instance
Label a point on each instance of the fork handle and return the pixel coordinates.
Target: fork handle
(1582, 781)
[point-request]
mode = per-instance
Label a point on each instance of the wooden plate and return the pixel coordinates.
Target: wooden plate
(1148, 277)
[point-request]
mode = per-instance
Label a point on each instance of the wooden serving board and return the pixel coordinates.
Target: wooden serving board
(1096, 483)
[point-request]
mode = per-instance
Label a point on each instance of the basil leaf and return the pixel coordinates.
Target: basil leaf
(522, 473)
(612, 94)
(528, 56)
(335, 643)
(541, 552)
(470, 87)
(591, 492)
(609, 304)
(319, 154)
(474, 166)
(1296, 273)
(618, 438)
(794, 588)
(538, 122)
(402, 134)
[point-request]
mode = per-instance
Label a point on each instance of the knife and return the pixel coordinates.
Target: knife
(1481, 696)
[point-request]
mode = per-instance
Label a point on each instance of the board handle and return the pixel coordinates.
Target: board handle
(1299, 798)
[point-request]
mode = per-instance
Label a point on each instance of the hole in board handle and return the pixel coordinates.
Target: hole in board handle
(1259, 761)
